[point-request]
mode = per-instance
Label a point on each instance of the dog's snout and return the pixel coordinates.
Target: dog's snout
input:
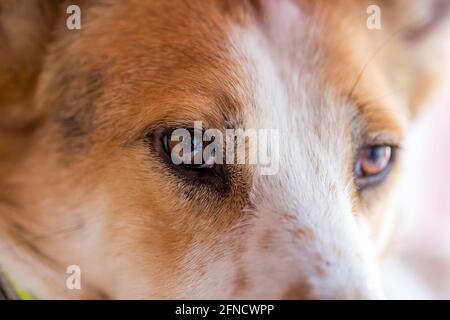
(305, 290)
(300, 290)
(330, 265)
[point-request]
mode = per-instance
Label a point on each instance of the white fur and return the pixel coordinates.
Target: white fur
(312, 184)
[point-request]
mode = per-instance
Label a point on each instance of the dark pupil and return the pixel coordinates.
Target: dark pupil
(375, 154)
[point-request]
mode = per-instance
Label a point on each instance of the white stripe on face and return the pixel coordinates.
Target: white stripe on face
(306, 241)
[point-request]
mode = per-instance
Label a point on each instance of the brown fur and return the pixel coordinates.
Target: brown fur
(79, 183)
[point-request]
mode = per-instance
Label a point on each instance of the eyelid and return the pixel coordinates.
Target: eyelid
(383, 139)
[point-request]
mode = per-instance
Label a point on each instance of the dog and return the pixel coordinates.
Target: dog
(86, 174)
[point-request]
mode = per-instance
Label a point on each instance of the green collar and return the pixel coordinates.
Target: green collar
(9, 290)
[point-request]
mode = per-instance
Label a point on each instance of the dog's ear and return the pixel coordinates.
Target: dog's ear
(421, 28)
(25, 31)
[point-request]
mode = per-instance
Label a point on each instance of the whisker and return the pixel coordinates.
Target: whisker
(372, 57)
(376, 52)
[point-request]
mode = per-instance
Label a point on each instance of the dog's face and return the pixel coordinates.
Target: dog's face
(96, 178)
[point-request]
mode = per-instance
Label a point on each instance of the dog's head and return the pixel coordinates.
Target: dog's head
(92, 183)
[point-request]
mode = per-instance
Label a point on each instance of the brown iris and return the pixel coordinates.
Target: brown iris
(373, 163)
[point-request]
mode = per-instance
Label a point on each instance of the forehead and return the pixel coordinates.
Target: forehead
(214, 61)
(329, 60)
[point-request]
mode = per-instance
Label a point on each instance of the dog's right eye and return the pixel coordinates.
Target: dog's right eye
(187, 156)
(182, 163)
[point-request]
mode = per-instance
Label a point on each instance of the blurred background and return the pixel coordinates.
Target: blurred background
(421, 270)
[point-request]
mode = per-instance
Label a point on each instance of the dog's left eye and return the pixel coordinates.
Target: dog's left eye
(373, 164)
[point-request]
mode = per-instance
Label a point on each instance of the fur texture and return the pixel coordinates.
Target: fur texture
(81, 183)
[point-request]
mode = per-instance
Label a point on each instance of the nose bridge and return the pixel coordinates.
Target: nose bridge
(335, 247)
(333, 258)
(309, 205)
(350, 268)
(327, 245)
